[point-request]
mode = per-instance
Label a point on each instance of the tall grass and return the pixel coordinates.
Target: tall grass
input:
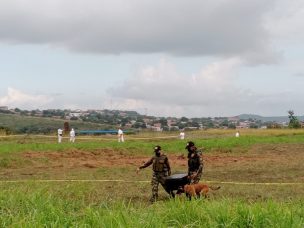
(37, 204)
(39, 207)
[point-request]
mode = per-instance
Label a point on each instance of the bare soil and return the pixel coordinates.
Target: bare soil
(32, 163)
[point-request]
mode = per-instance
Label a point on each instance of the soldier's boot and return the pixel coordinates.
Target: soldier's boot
(153, 198)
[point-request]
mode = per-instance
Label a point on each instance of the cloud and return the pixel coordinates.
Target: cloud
(213, 91)
(285, 21)
(299, 74)
(163, 82)
(16, 98)
(181, 28)
(162, 89)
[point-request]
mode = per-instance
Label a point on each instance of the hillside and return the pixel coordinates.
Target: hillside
(28, 124)
(278, 119)
(48, 121)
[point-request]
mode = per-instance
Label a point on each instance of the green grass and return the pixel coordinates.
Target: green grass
(73, 205)
(119, 204)
(136, 146)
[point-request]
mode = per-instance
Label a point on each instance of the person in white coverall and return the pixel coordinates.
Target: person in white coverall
(182, 135)
(120, 135)
(72, 135)
(59, 135)
(237, 134)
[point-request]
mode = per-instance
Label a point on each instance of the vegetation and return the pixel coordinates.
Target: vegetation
(293, 120)
(19, 124)
(72, 206)
(109, 119)
(5, 130)
(36, 187)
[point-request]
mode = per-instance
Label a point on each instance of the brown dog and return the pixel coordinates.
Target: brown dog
(196, 190)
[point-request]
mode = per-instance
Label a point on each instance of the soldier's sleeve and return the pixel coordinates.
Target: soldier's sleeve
(147, 163)
(201, 162)
(168, 165)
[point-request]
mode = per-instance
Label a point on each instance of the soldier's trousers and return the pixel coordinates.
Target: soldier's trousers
(196, 179)
(157, 177)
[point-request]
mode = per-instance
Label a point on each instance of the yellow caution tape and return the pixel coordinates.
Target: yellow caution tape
(144, 181)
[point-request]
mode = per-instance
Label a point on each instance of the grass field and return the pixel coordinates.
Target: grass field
(19, 123)
(93, 183)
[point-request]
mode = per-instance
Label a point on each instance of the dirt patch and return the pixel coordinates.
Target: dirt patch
(78, 158)
(110, 158)
(95, 159)
(60, 162)
(264, 152)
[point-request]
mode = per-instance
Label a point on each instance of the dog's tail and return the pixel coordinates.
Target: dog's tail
(214, 188)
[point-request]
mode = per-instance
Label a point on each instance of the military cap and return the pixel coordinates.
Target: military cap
(189, 144)
(157, 148)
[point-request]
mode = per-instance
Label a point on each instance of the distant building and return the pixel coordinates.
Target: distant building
(245, 124)
(75, 114)
(4, 108)
(128, 125)
(191, 128)
(123, 114)
(171, 122)
(153, 128)
(234, 118)
(147, 121)
(157, 125)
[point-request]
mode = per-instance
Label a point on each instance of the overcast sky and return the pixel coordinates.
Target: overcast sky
(164, 58)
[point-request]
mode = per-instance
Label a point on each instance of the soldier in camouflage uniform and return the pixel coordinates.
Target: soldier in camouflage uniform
(161, 169)
(195, 163)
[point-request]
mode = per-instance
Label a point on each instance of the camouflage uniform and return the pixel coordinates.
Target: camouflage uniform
(195, 163)
(195, 166)
(161, 169)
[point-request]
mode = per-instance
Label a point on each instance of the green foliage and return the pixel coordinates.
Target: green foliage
(5, 111)
(52, 112)
(293, 120)
(163, 122)
(231, 126)
(39, 125)
(184, 119)
(273, 125)
(5, 130)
